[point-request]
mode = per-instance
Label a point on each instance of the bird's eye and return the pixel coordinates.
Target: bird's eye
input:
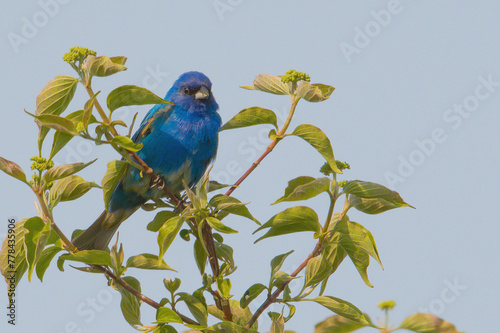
(186, 91)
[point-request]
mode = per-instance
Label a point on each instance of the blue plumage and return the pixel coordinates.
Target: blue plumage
(179, 142)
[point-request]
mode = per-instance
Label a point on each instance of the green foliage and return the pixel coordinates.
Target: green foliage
(70, 188)
(341, 307)
(104, 66)
(250, 117)
(13, 170)
(13, 263)
(303, 188)
(132, 95)
(64, 170)
(418, 322)
(316, 138)
(427, 323)
(90, 257)
(33, 243)
(129, 304)
(115, 171)
(147, 261)
(295, 219)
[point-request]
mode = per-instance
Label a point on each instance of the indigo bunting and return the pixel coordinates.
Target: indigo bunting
(179, 142)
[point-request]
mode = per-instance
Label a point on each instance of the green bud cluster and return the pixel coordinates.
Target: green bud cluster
(294, 76)
(327, 170)
(80, 127)
(40, 163)
(386, 305)
(342, 183)
(77, 53)
(342, 165)
(36, 180)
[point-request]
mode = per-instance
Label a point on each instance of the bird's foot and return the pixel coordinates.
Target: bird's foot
(157, 182)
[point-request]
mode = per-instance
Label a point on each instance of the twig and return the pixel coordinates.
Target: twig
(47, 215)
(274, 296)
(269, 148)
(68, 245)
(138, 295)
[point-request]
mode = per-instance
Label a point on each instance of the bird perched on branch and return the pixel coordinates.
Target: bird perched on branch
(179, 142)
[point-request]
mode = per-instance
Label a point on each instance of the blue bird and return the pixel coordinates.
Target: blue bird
(179, 142)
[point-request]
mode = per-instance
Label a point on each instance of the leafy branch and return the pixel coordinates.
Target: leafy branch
(199, 214)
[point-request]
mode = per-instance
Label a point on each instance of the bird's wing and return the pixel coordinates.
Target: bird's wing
(160, 110)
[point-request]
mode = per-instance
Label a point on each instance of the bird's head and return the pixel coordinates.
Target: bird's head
(193, 92)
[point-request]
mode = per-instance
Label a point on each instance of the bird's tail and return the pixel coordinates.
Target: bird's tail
(99, 234)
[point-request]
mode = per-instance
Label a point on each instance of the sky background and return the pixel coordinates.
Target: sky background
(415, 108)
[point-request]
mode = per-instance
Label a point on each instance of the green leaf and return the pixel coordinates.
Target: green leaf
(337, 324)
(219, 226)
(78, 116)
(270, 84)
(281, 277)
(318, 139)
(60, 140)
(359, 244)
(58, 123)
(359, 236)
(56, 95)
(341, 307)
(70, 188)
(132, 95)
(166, 315)
(277, 322)
(427, 323)
(295, 219)
(197, 308)
(127, 143)
(12, 169)
(224, 287)
(166, 329)
(364, 189)
(200, 256)
(172, 285)
(214, 185)
(90, 257)
(277, 262)
(252, 293)
(45, 259)
(228, 327)
(230, 205)
(87, 110)
(316, 92)
(372, 198)
(115, 171)
(35, 241)
(317, 269)
(225, 253)
(334, 253)
(148, 261)
(303, 188)
(104, 66)
(168, 232)
(250, 117)
(240, 315)
(13, 262)
(130, 305)
(64, 170)
(160, 219)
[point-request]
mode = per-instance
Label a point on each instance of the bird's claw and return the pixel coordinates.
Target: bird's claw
(158, 182)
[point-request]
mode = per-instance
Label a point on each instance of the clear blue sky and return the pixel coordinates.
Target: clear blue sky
(416, 108)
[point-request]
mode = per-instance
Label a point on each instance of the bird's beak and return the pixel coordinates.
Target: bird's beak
(203, 93)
